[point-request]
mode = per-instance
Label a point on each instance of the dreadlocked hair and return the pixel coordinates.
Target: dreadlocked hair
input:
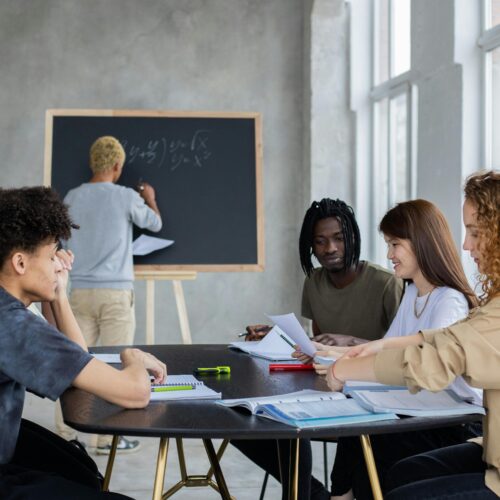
(345, 215)
(30, 216)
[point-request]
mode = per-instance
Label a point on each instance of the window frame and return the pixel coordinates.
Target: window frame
(487, 42)
(389, 89)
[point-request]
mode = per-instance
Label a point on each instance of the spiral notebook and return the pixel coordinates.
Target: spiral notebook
(199, 391)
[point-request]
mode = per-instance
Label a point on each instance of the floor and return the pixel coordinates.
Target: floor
(133, 474)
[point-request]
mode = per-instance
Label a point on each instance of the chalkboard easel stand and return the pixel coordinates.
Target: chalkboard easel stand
(177, 277)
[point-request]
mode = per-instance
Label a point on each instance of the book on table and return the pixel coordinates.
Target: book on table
(180, 387)
(358, 385)
(308, 409)
(275, 346)
(422, 404)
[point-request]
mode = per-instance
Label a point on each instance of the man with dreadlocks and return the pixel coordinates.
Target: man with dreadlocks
(349, 302)
(332, 293)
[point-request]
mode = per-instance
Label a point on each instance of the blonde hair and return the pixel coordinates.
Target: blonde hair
(105, 153)
(482, 189)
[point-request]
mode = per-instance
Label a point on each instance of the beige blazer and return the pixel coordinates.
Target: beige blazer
(470, 348)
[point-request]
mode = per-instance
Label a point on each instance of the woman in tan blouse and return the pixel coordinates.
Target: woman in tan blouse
(432, 359)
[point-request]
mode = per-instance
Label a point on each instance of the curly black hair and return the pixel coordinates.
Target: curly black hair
(322, 210)
(30, 216)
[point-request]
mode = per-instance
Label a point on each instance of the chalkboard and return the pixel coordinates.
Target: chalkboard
(206, 169)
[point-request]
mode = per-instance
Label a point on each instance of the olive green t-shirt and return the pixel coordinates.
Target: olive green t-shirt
(365, 308)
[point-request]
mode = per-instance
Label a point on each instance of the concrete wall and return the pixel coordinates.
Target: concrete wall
(244, 55)
(330, 125)
(440, 90)
(446, 62)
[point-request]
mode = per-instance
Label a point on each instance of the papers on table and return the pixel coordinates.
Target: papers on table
(358, 385)
(291, 326)
(421, 404)
(107, 358)
(145, 245)
(275, 346)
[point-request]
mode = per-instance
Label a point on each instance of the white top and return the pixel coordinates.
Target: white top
(445, 306)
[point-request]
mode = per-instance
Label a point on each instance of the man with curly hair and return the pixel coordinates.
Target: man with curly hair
(102, 278)
(35, 355)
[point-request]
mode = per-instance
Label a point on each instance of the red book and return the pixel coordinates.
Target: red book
(288, 367)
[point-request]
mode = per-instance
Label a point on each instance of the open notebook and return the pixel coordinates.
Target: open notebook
(308, 409)
(199, 390)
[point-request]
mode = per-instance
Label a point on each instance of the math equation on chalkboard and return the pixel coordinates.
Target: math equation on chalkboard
(171, 153)
(205, 169)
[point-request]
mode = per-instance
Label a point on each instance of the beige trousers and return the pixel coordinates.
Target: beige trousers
(106, 317)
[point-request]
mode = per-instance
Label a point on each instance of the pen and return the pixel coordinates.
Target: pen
(287, 341)
(285, 367)
(166, 388)
(261, 329)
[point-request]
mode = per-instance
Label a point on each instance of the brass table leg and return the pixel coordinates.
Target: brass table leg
(293, 468)
(220, 452)
(214, 462)
(111, 461)
(370, 465)
(194, 480)
(293, 491)
(161, 464)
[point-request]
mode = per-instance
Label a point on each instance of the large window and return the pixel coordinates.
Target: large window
(490, 43)
(391, 97)
(391, 39)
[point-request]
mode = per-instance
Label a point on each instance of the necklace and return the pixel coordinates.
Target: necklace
(418, 314)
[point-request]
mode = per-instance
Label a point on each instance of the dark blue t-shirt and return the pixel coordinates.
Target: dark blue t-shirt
(33, 355)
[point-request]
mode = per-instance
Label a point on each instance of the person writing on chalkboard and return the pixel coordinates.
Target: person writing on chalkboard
(102, 276)
(330, 299)
(47, 360)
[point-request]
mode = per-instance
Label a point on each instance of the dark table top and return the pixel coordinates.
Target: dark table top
(249, 377)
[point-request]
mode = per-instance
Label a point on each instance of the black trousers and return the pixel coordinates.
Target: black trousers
(349, 469)
(264, 452)
(46, 466)
(455, 472)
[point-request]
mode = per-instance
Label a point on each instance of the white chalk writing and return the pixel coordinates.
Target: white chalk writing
(169, 152)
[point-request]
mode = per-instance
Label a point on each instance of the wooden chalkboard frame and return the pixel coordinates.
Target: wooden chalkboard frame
(154, 271)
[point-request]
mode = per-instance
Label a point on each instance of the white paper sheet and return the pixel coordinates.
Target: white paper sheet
(275, 346)
(145, 245)
(291, 326)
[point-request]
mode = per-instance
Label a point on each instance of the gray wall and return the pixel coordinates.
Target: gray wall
(447, 67)
(244, 55)
(439, 82)
(285, 58)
